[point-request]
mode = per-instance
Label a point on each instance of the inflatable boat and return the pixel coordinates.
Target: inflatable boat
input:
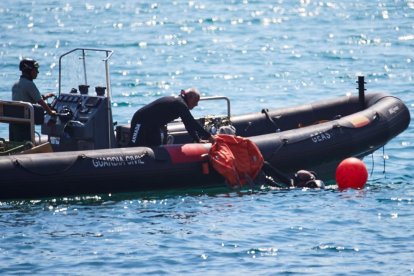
(84, 152)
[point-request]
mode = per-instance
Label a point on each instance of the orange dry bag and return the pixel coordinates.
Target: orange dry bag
(236, 158)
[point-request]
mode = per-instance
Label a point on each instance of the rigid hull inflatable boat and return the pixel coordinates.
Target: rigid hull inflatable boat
(85, 153)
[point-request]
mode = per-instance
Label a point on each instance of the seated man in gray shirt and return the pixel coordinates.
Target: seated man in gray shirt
(25, 90)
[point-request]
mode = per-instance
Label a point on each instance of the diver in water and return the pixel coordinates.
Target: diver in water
(301, 179)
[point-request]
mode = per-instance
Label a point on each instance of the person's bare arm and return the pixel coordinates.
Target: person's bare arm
(46, 107)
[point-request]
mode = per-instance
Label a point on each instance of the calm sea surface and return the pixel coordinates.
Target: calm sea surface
(260, 54)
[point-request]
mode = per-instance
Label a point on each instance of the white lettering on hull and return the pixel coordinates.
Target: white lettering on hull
(116, 161)
(319, 137)
(393, 109)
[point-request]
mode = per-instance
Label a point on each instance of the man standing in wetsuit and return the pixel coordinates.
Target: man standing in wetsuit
(147, 122)
(26, 91)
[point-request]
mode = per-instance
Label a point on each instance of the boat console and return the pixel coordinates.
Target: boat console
(82, 123)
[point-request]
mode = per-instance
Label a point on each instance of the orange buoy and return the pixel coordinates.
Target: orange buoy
(351, 173)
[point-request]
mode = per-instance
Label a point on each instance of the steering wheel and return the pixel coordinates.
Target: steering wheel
(50, 96)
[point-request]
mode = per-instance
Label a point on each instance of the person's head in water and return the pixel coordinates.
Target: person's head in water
(29, 68)
(191, 96)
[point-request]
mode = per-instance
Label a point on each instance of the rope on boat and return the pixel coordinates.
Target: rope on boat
(270, 119)
(271, 173)
(19, 164)
(373, 162)
(284, 142)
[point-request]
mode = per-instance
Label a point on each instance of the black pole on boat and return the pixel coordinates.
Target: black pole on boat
(361, 90)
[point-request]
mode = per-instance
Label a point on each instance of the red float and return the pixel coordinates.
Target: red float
(351, 173)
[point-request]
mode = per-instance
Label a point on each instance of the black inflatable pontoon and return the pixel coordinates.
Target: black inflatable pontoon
(90, 157)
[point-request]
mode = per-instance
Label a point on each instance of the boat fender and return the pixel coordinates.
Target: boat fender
(236, 158)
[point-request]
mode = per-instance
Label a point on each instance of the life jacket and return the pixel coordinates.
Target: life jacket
(236, 158)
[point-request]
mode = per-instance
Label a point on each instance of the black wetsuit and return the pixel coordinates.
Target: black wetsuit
(147, 122)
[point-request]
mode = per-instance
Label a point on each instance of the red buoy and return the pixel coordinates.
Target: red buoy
(351, 173)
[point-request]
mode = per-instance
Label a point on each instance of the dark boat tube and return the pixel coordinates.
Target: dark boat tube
(314, 136)
(321, 147)
(104, 171)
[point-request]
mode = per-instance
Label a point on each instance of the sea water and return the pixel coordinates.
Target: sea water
(260, 54)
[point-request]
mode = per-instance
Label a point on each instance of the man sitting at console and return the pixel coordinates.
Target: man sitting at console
(25, 90)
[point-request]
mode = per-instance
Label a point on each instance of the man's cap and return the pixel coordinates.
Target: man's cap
(28, 64)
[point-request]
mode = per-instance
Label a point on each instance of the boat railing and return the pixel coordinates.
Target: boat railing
(108, 54)
(18, 112)
(215, 98)
(212, 98)
(211, 123)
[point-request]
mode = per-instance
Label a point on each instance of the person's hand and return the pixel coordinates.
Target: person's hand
(47, 96)
(52, 112)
